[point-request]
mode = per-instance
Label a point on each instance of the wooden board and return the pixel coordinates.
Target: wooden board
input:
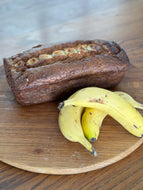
(30, 138)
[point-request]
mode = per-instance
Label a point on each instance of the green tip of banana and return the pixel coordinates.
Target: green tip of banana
(94, 152)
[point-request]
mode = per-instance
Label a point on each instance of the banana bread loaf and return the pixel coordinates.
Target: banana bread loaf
(48, 73)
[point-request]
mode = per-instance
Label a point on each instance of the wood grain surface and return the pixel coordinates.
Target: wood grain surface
(28, 23)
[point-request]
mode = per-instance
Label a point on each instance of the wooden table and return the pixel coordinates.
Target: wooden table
(28, 23)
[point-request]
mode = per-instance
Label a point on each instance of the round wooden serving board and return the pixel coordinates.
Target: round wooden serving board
(30, 138)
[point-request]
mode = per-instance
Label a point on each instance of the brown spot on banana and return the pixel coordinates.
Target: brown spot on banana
(97, 100)
(135, 126)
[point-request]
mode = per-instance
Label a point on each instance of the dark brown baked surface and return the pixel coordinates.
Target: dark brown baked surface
(48, 73)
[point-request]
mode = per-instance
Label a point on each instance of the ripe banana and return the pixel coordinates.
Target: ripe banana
(110, 103)
(92, 118)
(70, 126)
(91, 123)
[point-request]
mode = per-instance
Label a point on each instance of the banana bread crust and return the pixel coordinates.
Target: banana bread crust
(51, 72)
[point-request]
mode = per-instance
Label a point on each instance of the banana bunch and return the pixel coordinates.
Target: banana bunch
(82, 114)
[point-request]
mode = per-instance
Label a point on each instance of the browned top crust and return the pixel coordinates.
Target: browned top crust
(45, 55)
